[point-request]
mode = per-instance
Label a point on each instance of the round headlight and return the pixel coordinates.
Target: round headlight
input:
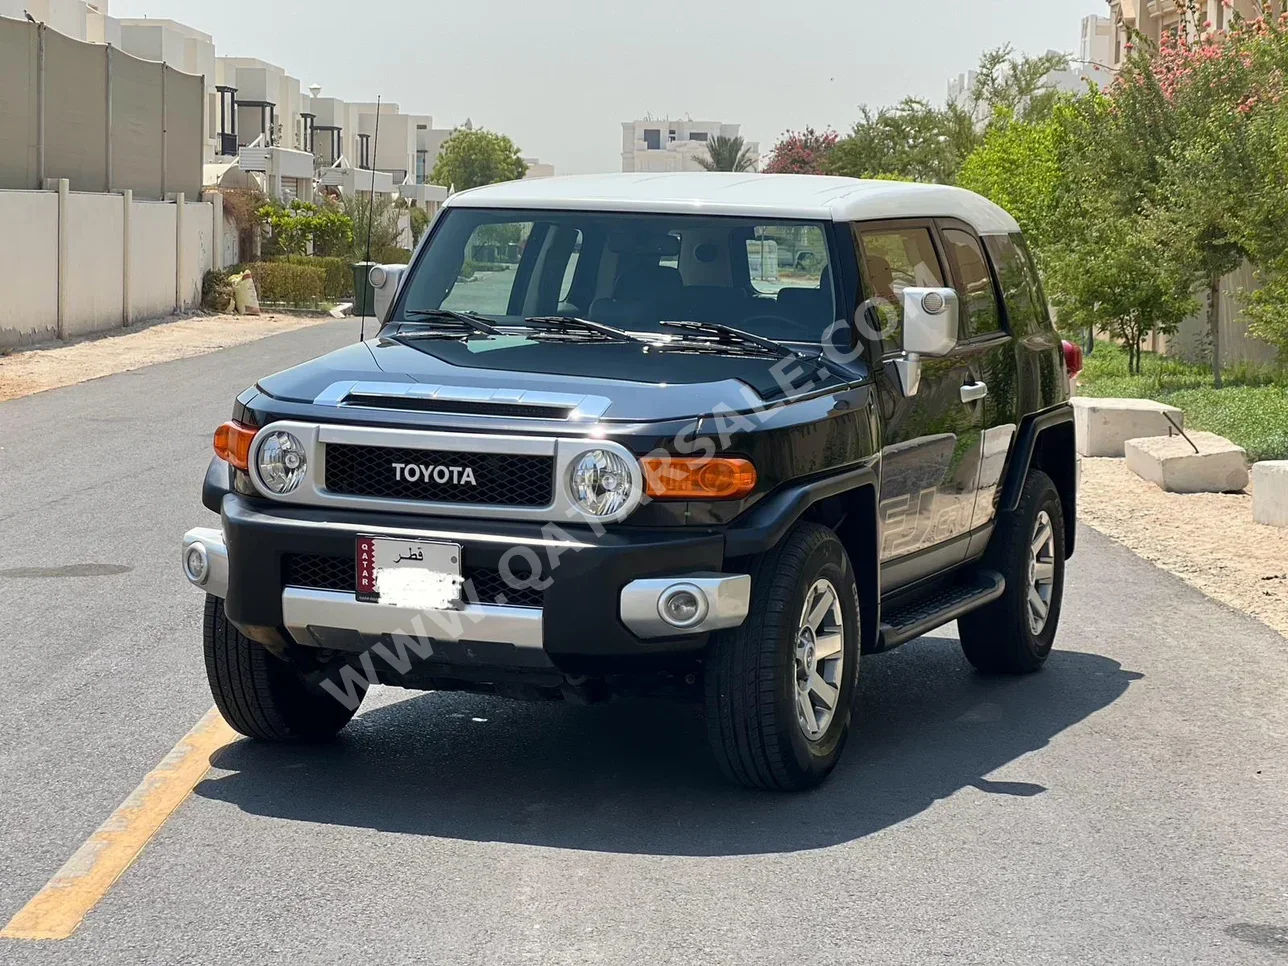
(601, 483)
(282, 462)
(377, 276)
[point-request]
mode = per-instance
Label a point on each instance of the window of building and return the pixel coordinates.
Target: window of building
(698, 136)
(979, 297)
(653, 139)
(670, 135)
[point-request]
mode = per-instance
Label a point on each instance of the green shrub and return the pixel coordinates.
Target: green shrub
(1252, 409)
(289, 283)
(339, 273)
(390, 255)
(216, 291)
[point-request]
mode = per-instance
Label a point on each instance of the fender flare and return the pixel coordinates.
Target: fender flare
(768, 522)
(1022, 455)
(217, 485)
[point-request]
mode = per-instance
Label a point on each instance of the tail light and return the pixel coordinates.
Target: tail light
(1072, 359)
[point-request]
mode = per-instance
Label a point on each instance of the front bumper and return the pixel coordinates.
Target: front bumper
(598, 603)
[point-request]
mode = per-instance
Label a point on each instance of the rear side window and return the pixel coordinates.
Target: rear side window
(979, 298)
(1021, 290)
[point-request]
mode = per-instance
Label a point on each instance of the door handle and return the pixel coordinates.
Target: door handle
(974, 393)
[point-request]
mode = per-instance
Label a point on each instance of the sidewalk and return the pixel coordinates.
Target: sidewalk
(57, 364)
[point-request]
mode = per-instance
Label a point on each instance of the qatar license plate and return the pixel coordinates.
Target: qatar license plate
(409, 573)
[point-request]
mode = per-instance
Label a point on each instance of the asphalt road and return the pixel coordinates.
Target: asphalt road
(1127, 805)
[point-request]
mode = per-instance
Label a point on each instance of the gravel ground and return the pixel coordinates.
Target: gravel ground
(1207, 539)
(58, 364)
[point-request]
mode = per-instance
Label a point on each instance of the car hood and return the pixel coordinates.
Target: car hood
(640, 383)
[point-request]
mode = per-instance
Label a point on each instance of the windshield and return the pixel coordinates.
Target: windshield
(631, 271)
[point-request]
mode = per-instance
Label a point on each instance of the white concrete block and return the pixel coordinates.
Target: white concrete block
(1103, 425)
(1170, 461)
(1270, 493)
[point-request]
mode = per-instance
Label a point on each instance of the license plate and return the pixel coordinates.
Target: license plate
(412, 573)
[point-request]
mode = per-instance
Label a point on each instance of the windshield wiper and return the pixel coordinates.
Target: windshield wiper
(728, 336)
(471, 322)
(570, 323)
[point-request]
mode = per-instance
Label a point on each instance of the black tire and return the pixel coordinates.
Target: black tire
(262, 696)
(750, 672)
(998, 638)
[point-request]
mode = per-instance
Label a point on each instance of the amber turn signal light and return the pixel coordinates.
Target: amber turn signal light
(232, 443)
(698, 478)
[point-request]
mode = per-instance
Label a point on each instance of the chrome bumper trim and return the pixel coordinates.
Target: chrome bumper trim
(728, 599)
(216, 582)
(485, 623)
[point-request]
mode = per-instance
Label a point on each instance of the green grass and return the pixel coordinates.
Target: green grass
(1252, 409)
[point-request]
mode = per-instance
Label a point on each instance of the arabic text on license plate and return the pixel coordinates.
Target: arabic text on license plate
(385, 554)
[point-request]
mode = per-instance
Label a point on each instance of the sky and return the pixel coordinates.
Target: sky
(559, 76)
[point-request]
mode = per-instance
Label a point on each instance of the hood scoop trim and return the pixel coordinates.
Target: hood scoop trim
(464, 400)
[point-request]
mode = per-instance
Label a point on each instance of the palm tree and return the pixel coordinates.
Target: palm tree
(727, 154)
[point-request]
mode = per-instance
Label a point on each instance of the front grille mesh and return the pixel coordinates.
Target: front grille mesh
(501, 479)
(319, 572)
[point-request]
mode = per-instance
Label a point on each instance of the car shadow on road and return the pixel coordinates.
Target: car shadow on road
(636, 776)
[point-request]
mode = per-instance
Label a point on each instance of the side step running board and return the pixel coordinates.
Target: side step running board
(923, 616)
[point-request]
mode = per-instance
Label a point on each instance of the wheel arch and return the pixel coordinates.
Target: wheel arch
(846, 504)
(1046, 442)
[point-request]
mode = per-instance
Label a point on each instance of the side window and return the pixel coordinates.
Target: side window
(1019, 291)
(979, 298)
(487, 278)
(895, 259)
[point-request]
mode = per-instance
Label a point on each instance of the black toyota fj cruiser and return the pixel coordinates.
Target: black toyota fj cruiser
(711, 435)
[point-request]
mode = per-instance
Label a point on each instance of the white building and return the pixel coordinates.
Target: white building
(664, 145)
(1097, 45)
(172, 43)
(538, 168)
(72, 18)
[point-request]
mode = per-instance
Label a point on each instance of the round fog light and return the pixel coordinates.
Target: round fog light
(196, 564)
(683, 605)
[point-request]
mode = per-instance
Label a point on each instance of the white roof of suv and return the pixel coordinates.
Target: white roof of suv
(812, 197)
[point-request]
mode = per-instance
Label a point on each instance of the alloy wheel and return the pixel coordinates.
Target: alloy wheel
(820, 659)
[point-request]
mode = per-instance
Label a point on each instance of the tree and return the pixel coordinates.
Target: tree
(419, 223)
(1017, 86)
(727, 154)
(913, 140)
(381, 215)
(471, 158)
(295, 225)
(1020, 166)
(801, 152)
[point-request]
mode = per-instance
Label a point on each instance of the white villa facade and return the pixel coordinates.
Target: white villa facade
(665, 145)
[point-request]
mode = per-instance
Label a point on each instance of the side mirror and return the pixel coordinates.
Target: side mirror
(385, 280)
(930, 319)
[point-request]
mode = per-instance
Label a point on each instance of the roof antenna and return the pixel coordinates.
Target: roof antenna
(371, 217)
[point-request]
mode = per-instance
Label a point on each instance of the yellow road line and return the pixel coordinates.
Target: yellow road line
(58, 909)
